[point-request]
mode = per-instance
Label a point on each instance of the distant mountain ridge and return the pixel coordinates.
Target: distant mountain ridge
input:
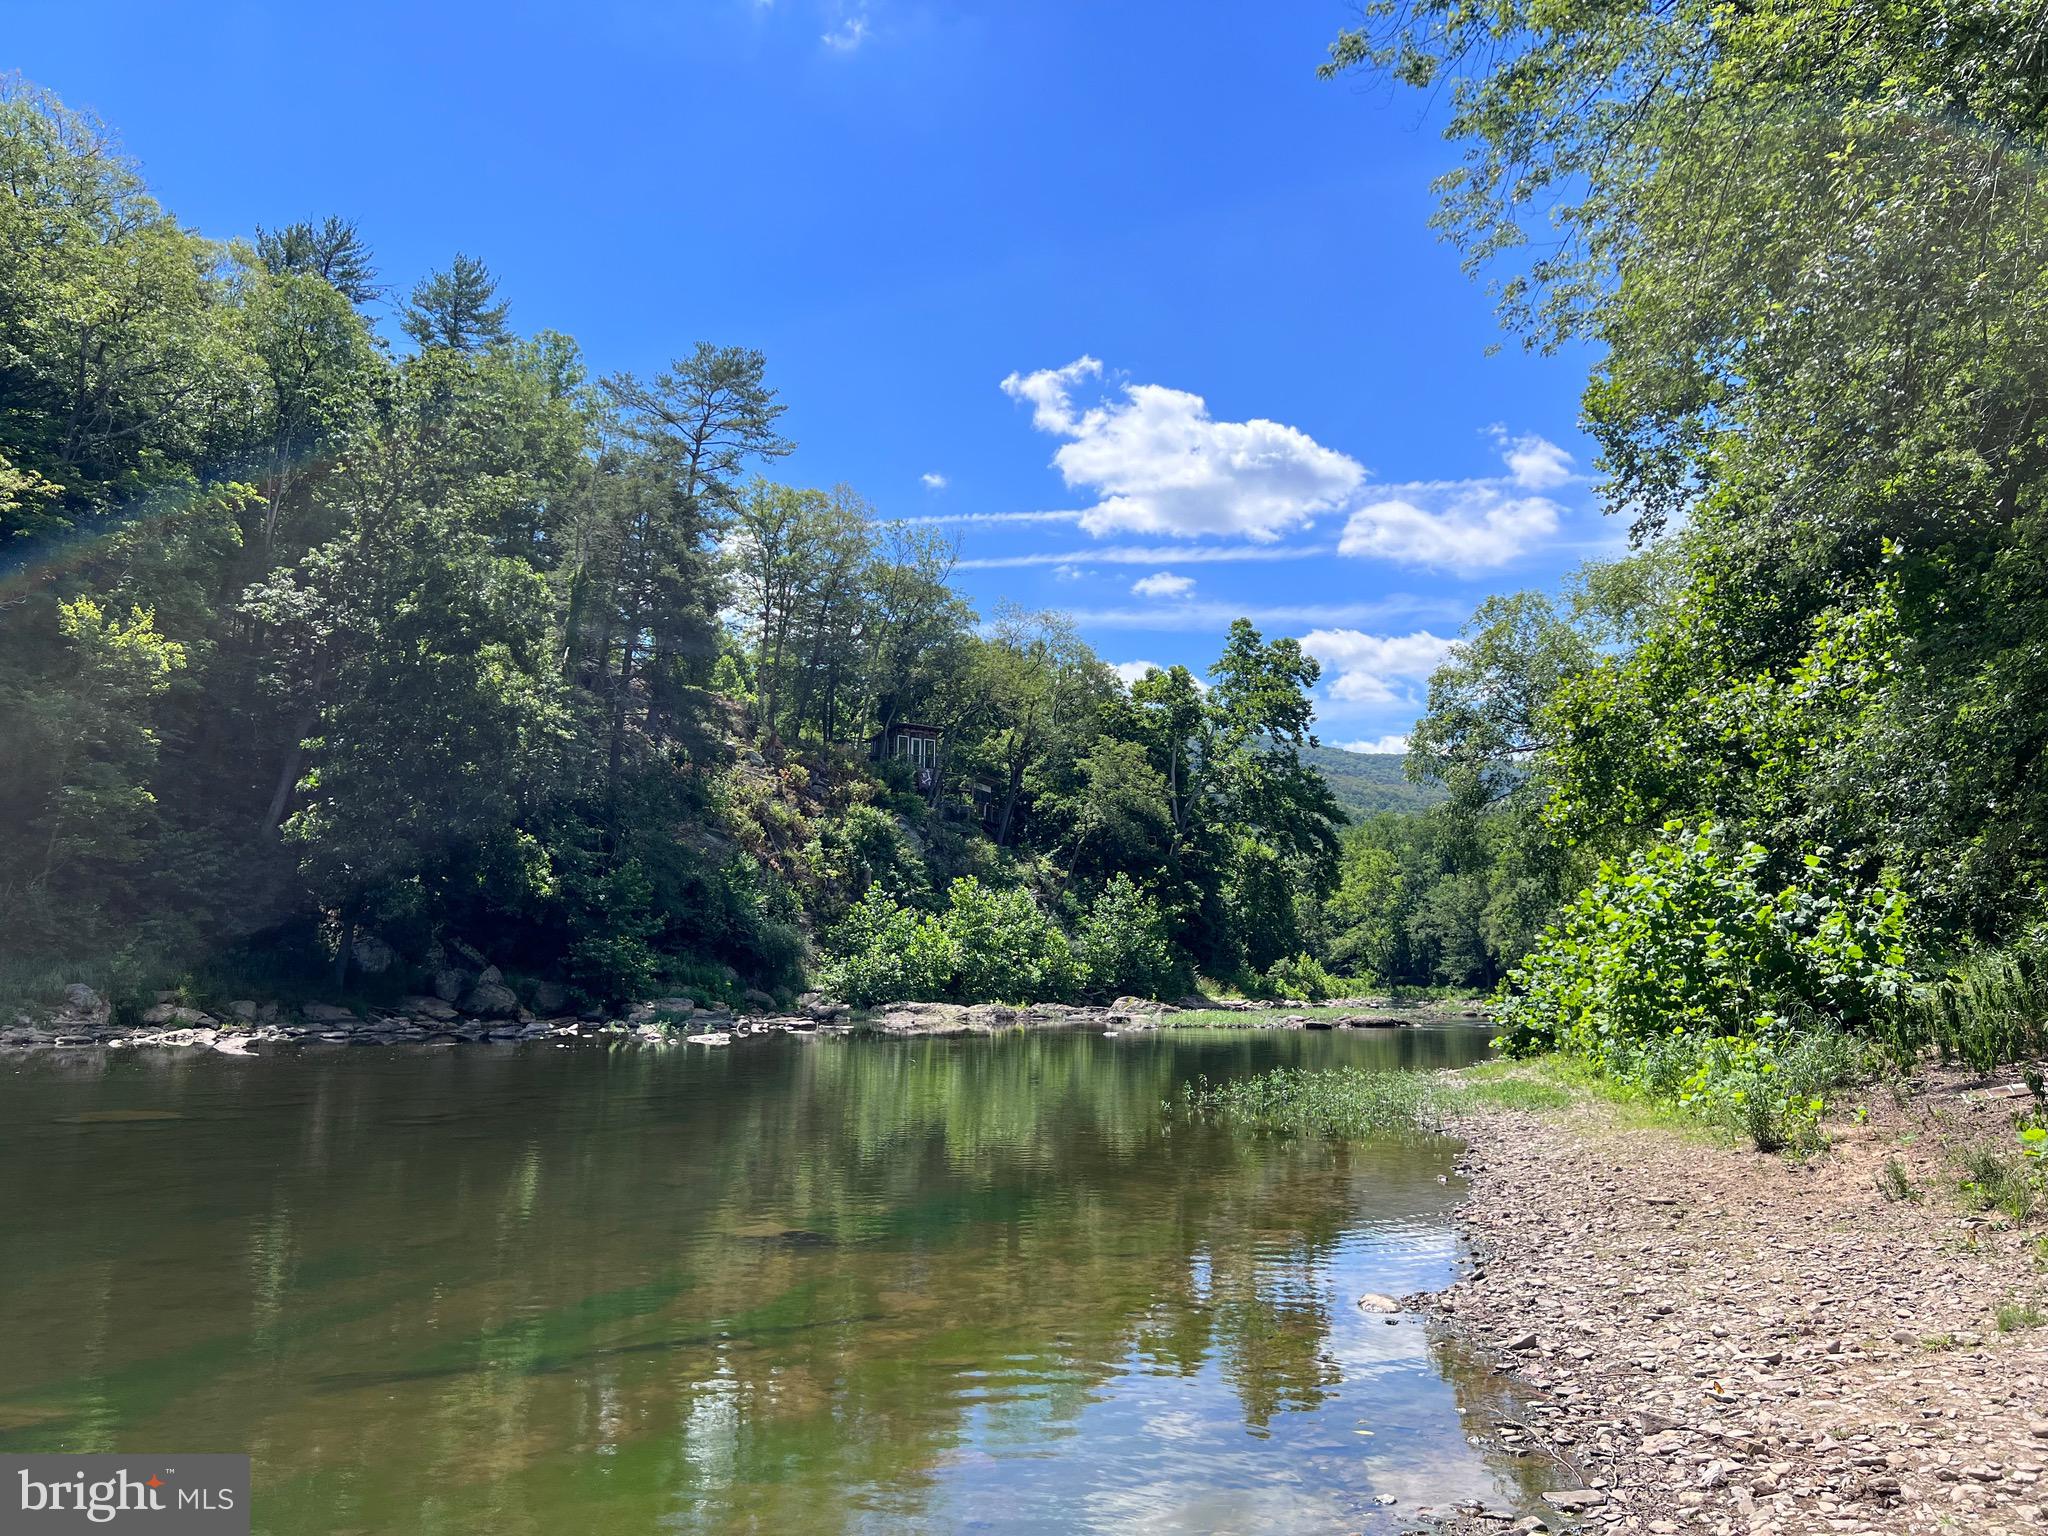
(1366, 783)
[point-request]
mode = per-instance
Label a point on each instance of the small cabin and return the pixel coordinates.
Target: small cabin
(917, 745)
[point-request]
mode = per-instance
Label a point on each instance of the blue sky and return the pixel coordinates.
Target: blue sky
(1131, 270)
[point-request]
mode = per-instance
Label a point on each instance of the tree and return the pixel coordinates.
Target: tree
(1044, 687)
(453, 309)
(334, 252)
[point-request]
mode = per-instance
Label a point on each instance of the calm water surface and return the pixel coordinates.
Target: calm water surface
(790, 1287)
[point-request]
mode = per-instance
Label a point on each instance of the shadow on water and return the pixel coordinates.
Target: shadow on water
(824, 1286)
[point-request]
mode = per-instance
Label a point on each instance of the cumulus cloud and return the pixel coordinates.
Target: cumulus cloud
(933, 480)
(1068, 572)
(1471, 527)
(1367, 667)
(1134, 671)
(1163, 584)
(1395, 745)
(1534, 463)
(1159, 462)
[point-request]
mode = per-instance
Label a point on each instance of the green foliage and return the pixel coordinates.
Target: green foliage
(986, 946)
(1123, 948)
(609, 956)
(1689, 936)
(1682, 972)
(1367, 783)
(1989, 1009)
(1303, 977)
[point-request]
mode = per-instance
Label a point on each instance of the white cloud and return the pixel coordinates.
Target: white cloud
(994, 517)
(1534, 463)
(1368, 666)
(1162, 464)
(1163, 584)
(1149, 554)
(1214, 617)
(1475, 528)
(1068, 572)
(933, 480)
(1394, 745)
(849, 34)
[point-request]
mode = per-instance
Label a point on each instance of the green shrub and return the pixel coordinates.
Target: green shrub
(987, 946)
(1123, 949)
(1302, 977)
(1686, 936)
(1683, 973)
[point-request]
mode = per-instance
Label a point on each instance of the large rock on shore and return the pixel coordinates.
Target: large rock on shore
(490, 998)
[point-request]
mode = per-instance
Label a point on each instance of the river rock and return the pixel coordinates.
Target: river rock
(176, 1016)
(924, 1019)
(427, 1008)
(450, 982)
(548, 997)
(329, 1013)
(711, 1037)
(372, 955)
(1575, 1501)
(490, 998)
(1373, 1301)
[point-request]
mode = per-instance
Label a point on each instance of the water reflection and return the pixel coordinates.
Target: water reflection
(798, 1286)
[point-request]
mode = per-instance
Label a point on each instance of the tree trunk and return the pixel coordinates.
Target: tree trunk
(288, 775)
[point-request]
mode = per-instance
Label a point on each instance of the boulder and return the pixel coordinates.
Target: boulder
(244, 1008)
(373, 957)
(450, 982)
(329, 1013)
(427, 1008)
(81, 998)
(925, 1019)
(490, 976)
(711, 1037)
(1373, 1301)
(489, 998)
(548, 997)
(1136, 1005)
(755, 998)
(175, 1016)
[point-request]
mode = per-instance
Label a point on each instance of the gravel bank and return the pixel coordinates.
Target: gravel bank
(1711, 1340)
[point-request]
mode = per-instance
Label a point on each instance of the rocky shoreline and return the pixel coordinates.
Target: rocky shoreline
(1711, 1340)
(484, 1009)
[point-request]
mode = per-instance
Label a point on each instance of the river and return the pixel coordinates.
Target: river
(794, 1286)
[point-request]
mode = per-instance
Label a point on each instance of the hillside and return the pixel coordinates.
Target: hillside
(1369, 782)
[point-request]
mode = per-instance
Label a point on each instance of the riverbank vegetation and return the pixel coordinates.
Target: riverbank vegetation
(1749, 789)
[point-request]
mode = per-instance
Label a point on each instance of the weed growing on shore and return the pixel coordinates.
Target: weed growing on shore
(1996, 1180)
(1342, 1101)
(1894, 1183)
(2018, 1316)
